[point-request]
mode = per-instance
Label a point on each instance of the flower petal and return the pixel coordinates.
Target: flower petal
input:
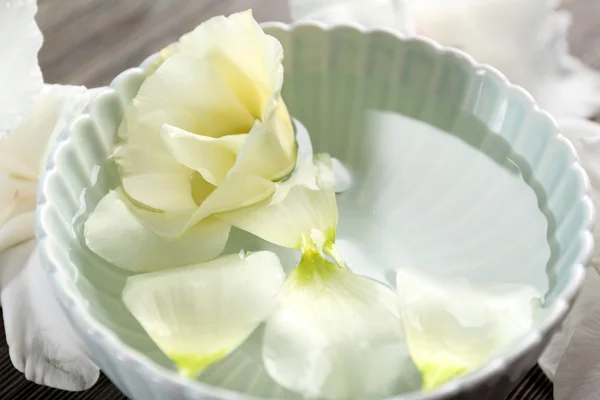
(305, 174)
(452, 328)
(149, 174)
(200, 313)
(41, 342)
(540, 63)
(270, 150)
(17, 230)
(248, 60)
(23, 156)
(238, 190)
(114, 233)
(157, 61)
(185, 92)
(298, 208)
(337, 335)
(303, 140)
(20, 75)
(190, 86)
(211, 157)
(24, 153)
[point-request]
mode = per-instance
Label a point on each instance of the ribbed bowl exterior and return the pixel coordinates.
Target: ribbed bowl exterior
(332, 74)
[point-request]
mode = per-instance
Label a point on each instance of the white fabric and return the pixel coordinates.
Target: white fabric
(572, 358)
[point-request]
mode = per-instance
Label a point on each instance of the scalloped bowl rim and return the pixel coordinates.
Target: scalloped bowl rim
(73, 303)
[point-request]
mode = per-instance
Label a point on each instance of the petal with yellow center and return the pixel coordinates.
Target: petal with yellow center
(200, 313)
(248, 60)
(301, 206)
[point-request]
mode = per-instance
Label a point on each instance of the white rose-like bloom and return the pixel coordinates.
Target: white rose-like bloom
(41, 342)
(207, 133)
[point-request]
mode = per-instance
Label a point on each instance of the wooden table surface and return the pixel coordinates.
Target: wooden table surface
(88, 42)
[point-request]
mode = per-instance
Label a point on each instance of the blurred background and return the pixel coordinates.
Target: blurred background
(88, 42)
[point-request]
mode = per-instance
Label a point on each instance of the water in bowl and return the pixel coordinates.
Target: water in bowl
(453, 205)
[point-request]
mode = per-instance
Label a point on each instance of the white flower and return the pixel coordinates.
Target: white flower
(453, 328)
(20, 75)
(571, 358)
(208, 131)
(41, 342)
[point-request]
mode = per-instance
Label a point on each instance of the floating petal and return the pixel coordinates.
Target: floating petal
(200, 313)
(211, 157)
(337, 335)
(452, 328)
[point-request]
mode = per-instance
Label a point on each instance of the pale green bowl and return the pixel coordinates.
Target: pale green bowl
(485, 188)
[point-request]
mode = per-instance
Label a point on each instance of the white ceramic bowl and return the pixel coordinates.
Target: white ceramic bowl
(483, 187)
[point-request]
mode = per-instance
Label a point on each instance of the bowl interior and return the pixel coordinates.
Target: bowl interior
(462, 177)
